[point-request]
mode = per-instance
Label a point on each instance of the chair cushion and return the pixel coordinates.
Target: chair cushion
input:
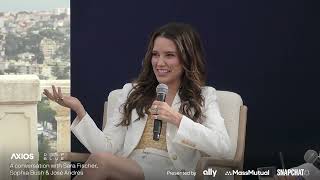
(229, 104)
(108, 107)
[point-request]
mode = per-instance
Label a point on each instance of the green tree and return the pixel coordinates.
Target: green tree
(63, 52)
(13, 45)
(31, 44)
(11, 69)
(60, 72)
(43, 147)
(45, 113)
(60, 16)
(52, 34)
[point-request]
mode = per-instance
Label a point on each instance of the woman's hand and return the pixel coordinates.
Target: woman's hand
(66, 101)
(162, 111)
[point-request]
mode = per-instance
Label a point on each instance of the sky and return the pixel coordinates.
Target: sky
(30, 5)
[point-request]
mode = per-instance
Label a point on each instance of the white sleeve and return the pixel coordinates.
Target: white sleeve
(111, 139)
(211, 136)
(90, 135)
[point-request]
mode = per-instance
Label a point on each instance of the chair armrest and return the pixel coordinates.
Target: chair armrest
(74, 157)
(241, 133)
(237, 162)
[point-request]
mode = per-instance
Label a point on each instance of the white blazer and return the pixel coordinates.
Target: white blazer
(184, 143)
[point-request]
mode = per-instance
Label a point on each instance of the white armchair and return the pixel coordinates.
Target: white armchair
(235, 115)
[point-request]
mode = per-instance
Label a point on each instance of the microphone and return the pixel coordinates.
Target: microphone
(311, 156)
(162, 91)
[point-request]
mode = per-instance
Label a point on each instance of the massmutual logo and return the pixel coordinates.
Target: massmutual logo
(22, 156)
(247, 172)
(210, 172)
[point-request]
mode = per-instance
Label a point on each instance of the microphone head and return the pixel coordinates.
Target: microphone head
(310, 156)
(162, 89)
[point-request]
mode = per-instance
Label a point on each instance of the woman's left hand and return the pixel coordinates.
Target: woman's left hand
(162, 111)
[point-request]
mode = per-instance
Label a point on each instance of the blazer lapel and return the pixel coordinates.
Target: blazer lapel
(172, 129)
(176, 102)
(138, 125)
(134, 132)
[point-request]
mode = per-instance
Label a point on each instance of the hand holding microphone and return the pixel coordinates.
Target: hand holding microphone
(161, 111)
(162, 91)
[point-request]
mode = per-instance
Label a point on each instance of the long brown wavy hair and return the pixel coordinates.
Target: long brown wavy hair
(190, 51)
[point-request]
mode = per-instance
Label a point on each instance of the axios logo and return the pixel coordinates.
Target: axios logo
(22, 156)
(210, 172)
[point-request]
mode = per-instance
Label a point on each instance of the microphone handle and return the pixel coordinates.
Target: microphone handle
(157, 125)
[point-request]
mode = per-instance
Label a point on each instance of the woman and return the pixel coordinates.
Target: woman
(191, 119)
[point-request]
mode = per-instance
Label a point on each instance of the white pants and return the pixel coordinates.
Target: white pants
(154, 163)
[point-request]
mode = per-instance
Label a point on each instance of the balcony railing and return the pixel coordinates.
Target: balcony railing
(19, 96)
